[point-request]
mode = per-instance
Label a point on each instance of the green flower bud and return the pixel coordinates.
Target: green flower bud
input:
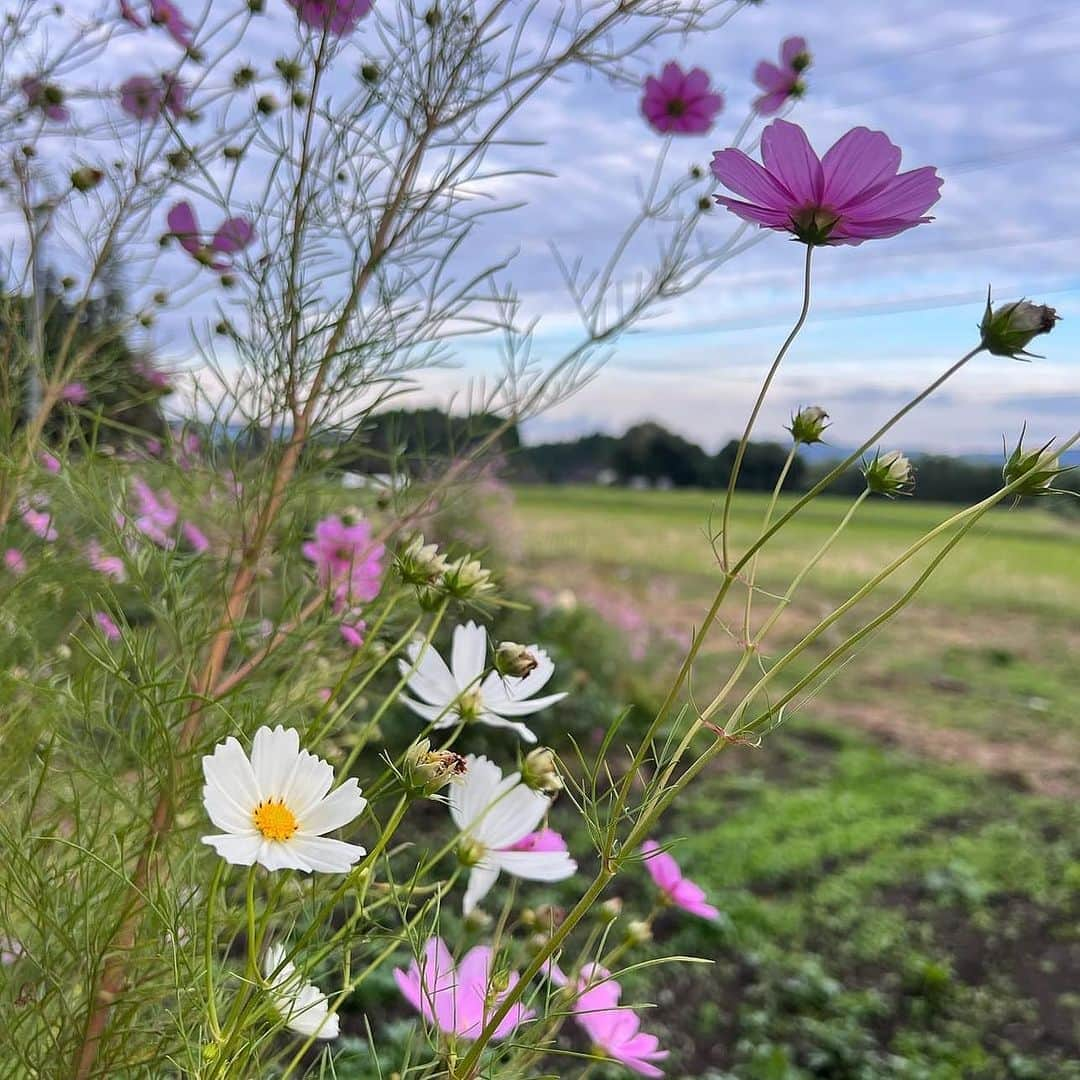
(466, 579)
(419, 563)
(243, 76)
(427, 770)
(889, 474)
(290, 71)
(638, 931)
(1008, 330)
(809, 424)
(370, 73)
(1034, 469)
(611, 908)
(267, 104)
(514, 661)
(85, 178)
(540, 771)
(469, 852)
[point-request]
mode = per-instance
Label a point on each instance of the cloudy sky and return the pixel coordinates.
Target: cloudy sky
(980, 88)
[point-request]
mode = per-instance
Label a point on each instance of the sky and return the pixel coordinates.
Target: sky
(982, 89)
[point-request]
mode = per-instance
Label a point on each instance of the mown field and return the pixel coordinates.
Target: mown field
(899, 861)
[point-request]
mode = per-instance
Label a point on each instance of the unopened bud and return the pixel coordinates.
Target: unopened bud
(514, 661)
(1034, 469)
(541, 771)
(889, 474)
(638, 931)
(427, 770)
(469, 852)
(611, 908)
(419, 563)
(370, 73)
(477, 919)
(527, 918)
(500, 982)
(232, 153)
(267, 104)
(466, 579)
(1008, 330)
(243, 76)
(86, 178)
(801, 61)
(290, 71)
(809, 424)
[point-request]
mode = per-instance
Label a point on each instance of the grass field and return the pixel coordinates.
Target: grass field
(899, 862)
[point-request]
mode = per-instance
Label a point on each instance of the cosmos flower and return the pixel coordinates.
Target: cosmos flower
(46, 97)
(15, 561)
(107, 626)
(850, 195)
(613, 1029)
(462, 693)
(232, 236)
(112, 566)
(782, 84)
(167, 14)
(274, 808)
(677, 890)
(680, 102)
(74, 393)
(195, 537)
(156, 513)
(144, 97)
(458, 999)
(497, 817)
(347, 559)
(353, 631)
(335, 16)
(300, 1004)
(157, 380)
(49, 462)
(38, 521)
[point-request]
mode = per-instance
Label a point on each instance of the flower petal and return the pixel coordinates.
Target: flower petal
(428, 675)
(337, 809)
(238, 850)
(511, 816)
(323, 855)
(536, 865)
(481, 879)
(744, 176)
(787, 154)
(857, 163)
(468, 656)
(274, 756)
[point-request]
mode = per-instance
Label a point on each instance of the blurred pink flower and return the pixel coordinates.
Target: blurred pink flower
(541, 840)
(144, 97)
(679, 102)
(11, 950)
(74, 393)
(46, 97)
(158, 380)
(110, 565)
(353, 631)
(49, 462)
(195, 537)
(458, 999)
(107, 626)
(15, 561)
(612, 1028)
(785, 82)
(167, 14)
(129, 14)
(335, 16)
(39, 522)
(668, 878)
(347, 559)
(850, 195)
(156, 513)
(232, 236)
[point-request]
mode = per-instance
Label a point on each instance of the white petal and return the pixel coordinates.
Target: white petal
(482, 784)
(468, 657)
(280, 855)
(224, 811)
(311, 779)
(228, 773)
(429, 677)
(439, 715)
(273, 757)
(481, 878)
(326, 856)
(494, 720)
(238, 850)
(523, 708)
(337, 809)
(536, 865)
(511, 817)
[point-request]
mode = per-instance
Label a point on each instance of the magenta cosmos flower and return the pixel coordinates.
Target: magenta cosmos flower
(107, 626)
(46, 97)
(347, 559)
(852, 194)
(15, 561)
(335, 16)
(458, 998)
(165, 13)
(144, 97)
(232, 236)
(613, 1029)
(668, 878)
(781, 84)
(74, 393)
(679, 102)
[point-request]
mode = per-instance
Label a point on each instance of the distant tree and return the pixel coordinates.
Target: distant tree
(575, 461)
(761, 467)
(656, 454)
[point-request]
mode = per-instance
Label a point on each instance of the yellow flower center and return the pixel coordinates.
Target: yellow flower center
(275, 820)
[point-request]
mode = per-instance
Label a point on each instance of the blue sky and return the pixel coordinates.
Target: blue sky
(980, 88)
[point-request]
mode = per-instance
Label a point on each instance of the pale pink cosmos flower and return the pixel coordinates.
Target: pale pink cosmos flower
(353, 631)
(107, 626)
(74, 393)
(782, 84)
(680, 103)
(112, 566)
(11, 950)
(15, 561)
(49, 462)
(613, 1029)
(334, 16)
(458, 998)
(677, 890)
(232, 236)
(129, 14)
(144, 97)
(39, 522)
(347, 559)
(852, 194)
(46, 97)
(195, 537)
(158, 380)
(165, 13)
(156, 513)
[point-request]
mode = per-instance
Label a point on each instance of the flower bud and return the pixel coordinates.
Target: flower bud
(809, 424)
(611, 908)
(427, 770)
(419, 563)
(514, 661)
(267, 104)
(469, 852)
(370, 72)
(477, 919)
(638, 931)
(86, 178)
(243, 76)
(500, 982)
(466, 579)
(541, 771)
(1008, 330)
(290, 71)
(1034, 469)
(889, 474)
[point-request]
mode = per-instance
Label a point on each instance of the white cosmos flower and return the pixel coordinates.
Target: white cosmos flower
(302, 1005)
(497, 816)
(459, 692)
(275, 808)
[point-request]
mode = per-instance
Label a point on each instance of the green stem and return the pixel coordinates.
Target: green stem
(208, 945)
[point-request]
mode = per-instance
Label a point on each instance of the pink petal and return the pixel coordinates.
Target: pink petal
(696, 83)
(671, 78)
(770, 77)
(787, 154)
(183, 225)
(234, 235)
(735, 170)
(542, 840)
(908, 195)
(792, 48)
(770, 103)
(761, 215)
(857, 163)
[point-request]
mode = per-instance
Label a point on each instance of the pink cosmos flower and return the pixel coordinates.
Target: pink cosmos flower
(458, 998)
(680, 102)
(11, 950)
(144, 97)
(74, 393)
(541, 840)
(46, 97)
(156, 513)
(850, 195)
(49, 462)
(612, 1028)
(15, 561)
(334, 16)
(347, 559)
(107, 626)
(195, 537)
(780, 84)
(353, 632)
(165, 13)
(232, 236)
(677, 890)
(39, 522)
(111, 566)
(129, 14)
